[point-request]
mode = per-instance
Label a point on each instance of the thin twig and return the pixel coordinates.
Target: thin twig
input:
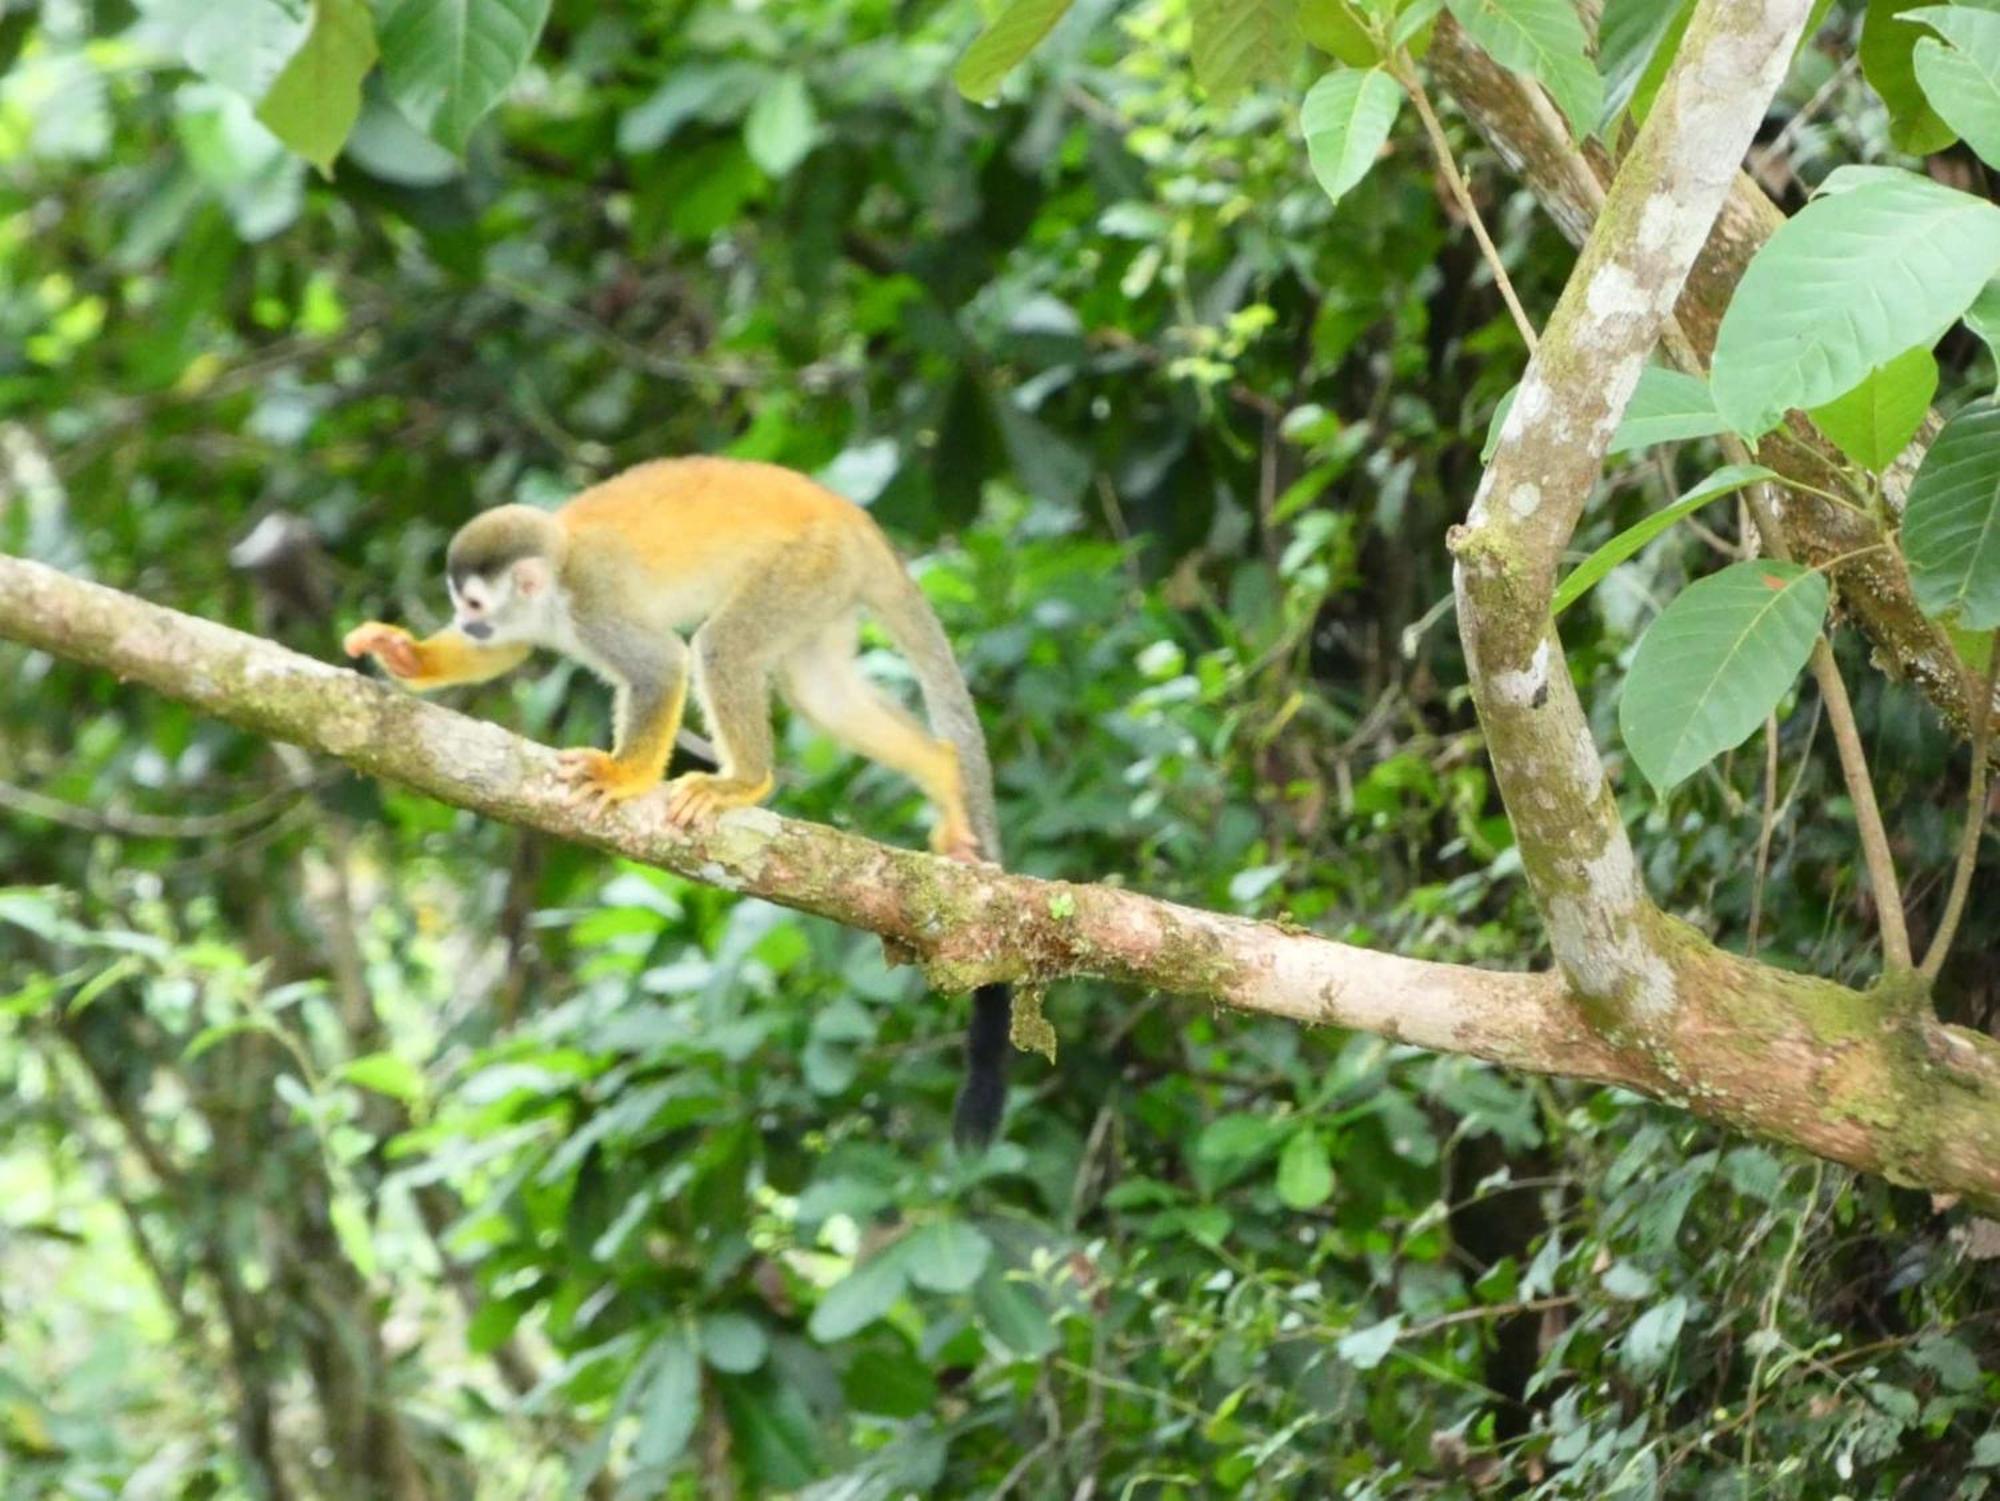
(1979, 708)
(1448, 169)
(1766, 828)
(31, 804)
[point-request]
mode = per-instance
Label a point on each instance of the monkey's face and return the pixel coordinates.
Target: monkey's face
(515, 605)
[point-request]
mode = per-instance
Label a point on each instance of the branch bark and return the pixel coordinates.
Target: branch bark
(1794, 1058)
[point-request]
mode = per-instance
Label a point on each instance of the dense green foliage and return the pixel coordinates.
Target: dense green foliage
(350, 1146)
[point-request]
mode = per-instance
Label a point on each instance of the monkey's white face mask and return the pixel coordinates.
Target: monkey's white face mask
(519, 605)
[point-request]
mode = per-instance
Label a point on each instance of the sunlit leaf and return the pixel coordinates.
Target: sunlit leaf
(1876, 420)
(313, 104)
(1004, 44)
(1346, 119)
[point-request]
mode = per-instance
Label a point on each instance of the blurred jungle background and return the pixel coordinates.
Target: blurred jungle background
(354, 1147)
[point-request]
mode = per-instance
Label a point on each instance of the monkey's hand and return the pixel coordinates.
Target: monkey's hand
(699, 796)
(391, 645)
(601, 779)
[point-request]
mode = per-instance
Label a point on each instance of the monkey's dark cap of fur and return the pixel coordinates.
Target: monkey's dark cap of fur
(489, 545)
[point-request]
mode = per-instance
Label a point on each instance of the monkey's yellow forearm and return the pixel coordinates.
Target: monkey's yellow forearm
(438, 661)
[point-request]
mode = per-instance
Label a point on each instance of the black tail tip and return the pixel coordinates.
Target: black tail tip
(983, 1097)
(976, 1119)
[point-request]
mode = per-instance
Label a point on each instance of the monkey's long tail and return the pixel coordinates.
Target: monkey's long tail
(975, 1120)
(907, 616)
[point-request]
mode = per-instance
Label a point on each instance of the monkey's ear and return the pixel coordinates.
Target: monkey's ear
(532, 576)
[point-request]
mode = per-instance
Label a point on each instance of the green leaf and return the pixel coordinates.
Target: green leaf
(1849, 283)
(773, 1432)
(1715, 664)
(860, 1298)
(1951, 522)
(315, 101)
(1653, 1334)
(1241, 42)
(1365, 1349)
(713, 92)
(1231, 1145)
(1012, 1313)
(1592, 570)
(241, 44)
(1876, 420)
(670, 1404)
(386, 1073)
(782, 127)
(1983, 318)
(1629, 38)
(947, 1256)
(734, 1342)
(1006, 41)
(1346, 119)
(886, 1379)
(1962, 81)
(1337, 29)
(1305, 1176)
(1666, 407)
(448, 62)
(1887, 42)
(1544, 39)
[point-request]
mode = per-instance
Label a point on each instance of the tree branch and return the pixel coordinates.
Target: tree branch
(1800, 1060)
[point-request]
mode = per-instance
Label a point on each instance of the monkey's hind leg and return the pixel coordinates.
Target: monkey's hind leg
(651, 695)
(823, 681)
(732, 677)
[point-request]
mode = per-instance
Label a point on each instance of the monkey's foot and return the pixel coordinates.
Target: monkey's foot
(601, 779)
(956, 841)
(699, 796)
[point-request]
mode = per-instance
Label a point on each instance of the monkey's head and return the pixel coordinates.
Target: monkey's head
(501, 570)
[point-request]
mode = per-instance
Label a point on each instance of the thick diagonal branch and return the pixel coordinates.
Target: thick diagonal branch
(1568, 182)
(1606, 934)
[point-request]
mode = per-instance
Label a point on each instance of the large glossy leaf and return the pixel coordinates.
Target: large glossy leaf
(1241, 42)
(1951, 523)
(450, 61)
(1715, 664)
(1006, 41)
(1346, 118)
(1960, 76)
(1849, 283)
(1592, 570)
(1887, 42)
(313, 104)
(1544, 39)
(1876, 420)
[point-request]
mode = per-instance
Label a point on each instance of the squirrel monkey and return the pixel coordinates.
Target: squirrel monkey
(772, 569)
